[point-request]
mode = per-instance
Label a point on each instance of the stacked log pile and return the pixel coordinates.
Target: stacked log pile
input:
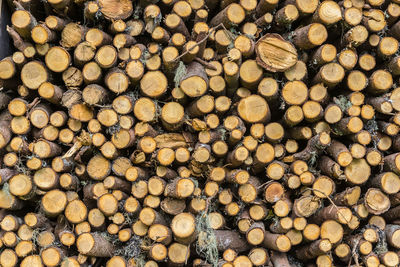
(201, 133)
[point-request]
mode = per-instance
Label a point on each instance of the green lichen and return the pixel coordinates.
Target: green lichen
(132, 250)
(129, 218)
(206, 244)
(234, 32)
(312, 162)
(270, 215)
(343, 103)
(180, 72)
(135, 93)
(282, 105)
(194, 180)
(158, 19)
(372, 126)
(113, 239)
(6, 189)
(250, 36)
(113, 129)
(294, 262)
(381, 247)
(145, 56)
(35, 235)
(230, 46)
(290, 36)
(137, 13)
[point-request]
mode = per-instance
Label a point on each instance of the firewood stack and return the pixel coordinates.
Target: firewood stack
(201, 133)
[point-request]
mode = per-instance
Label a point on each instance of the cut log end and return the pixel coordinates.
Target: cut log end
(275, 54)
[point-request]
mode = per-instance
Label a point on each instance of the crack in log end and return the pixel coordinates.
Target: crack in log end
(275, 54)
(116, 9)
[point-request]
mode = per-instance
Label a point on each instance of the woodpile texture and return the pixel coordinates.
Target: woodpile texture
(229, 133)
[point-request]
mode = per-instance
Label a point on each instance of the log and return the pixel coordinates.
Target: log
(275, 54)
(194, 83)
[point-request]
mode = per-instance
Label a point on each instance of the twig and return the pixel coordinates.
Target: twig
(83, 140)
(354, 252)
(206, 64)
(330, 200)
(193, 47)
(205, 39)
(221, 56)
(33, 104)
(77, 145)
(187, 255)
(102, 106)
(264, 184)
(18, 5)
(207, 205)
(231, 35)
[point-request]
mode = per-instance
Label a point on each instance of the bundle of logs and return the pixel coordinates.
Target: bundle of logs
(201, 133)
